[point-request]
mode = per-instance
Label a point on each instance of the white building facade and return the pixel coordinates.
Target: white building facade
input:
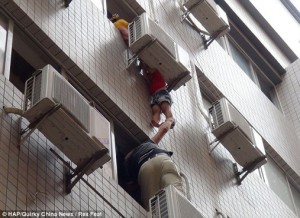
(251, 66)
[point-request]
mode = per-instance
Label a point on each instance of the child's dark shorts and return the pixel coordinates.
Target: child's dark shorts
(160, 97)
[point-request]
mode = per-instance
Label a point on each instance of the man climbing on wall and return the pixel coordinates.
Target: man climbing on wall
(161, 100)
(152, 167)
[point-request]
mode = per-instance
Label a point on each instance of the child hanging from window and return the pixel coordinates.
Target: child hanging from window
(161, 100)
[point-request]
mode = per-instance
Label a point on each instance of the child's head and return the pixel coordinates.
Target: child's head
(115, 17)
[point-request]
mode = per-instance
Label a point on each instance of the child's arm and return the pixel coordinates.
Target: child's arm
(162, 130)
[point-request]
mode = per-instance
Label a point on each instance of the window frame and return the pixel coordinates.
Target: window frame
(8, 45)
(113, 153)
(27, 48)
(231, 42)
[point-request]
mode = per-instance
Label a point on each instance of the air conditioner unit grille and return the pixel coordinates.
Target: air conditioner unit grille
(153, 207)
(171, 203)
(217, 115)
(71, 100)
(33, 90)
(164, 206)
(138, 28)
(159, 206)
(135, 30)
(131, 32)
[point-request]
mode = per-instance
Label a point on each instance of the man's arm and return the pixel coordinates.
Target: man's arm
(162, 130)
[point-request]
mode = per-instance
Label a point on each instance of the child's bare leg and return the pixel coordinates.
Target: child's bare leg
(166, 109)
(155, 115)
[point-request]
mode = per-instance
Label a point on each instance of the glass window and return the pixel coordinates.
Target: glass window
(241, 60)
(278, 183)
(3, 38)
(268, 89)
(251, 70)
(265, 86)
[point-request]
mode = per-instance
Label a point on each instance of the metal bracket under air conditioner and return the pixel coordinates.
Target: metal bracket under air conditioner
(212, 37)
(188, 11)
(241, 175)
(217, 140)
(129, 59)
(203, 33)
(79, 171)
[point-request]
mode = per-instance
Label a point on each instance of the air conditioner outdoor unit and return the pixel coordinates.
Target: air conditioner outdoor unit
(158, 50)
(76, 128)
(235, 133)
(210, 15)
(171, 203)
